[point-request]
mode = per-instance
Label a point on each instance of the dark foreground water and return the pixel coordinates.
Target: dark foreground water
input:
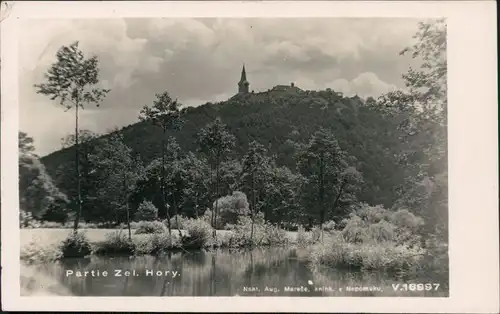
(259, 272)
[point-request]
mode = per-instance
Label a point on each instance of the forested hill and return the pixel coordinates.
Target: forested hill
(277, 121)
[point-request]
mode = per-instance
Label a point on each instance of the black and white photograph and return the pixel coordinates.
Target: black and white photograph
(219, 156)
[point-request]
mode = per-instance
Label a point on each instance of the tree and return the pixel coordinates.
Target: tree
(215, 142)
(196, 187)
(38, 194)
(118, 172)
(174, 178)
(88, 145)
(165, 114)
(255, 163)
(25, 144)
(72, 80)
(281, 195)
(421, 114)
(326, 168)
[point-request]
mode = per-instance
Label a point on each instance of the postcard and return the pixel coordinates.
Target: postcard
(249, 156)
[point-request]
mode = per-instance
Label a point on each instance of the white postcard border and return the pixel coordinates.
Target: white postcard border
(473, 155)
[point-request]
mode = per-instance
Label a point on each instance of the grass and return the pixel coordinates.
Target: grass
(53, 236)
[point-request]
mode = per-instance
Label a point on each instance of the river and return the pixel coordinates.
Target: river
(258, 272)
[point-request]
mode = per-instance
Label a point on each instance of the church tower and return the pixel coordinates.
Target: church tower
(243, 85)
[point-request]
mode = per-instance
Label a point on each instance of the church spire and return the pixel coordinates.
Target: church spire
(243, 84)
(243, 74)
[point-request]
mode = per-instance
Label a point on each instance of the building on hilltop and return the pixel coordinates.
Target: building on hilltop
(286, 88)
(278, 90)
(243, 84)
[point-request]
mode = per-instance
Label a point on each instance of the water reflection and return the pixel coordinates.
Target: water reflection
(259, 272)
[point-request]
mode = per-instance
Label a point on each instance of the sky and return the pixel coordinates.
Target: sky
(200, 60)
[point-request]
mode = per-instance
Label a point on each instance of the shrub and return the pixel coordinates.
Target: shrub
(231, 207)
(146, 211)
(116, 243)
(174, 220)
(380, 232)
(264, 233)
(36, 253)
(329, 225)
(207, 217)
(155, 243)
(150, 227)
(76, 245)
(404, 219)
(302, 239)
(199, 233)
(274, 235)
(26, 220)
(354, 230)
(53, 225)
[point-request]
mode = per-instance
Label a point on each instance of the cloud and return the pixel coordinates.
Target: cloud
(365, 85)
(199, 60)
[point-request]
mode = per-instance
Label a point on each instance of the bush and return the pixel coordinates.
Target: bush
(207, 217)
(36, 253)
(26, 220)
(329, 226)
(146, 212)
(404, 219)
(387, 256)
(231, 207)
(302, 239)
(116, 243)
(199, 233)
(76, 245)
(150, 227)
(174, 220)
(264, 233)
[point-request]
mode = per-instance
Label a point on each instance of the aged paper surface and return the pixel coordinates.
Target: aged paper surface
(249, 156)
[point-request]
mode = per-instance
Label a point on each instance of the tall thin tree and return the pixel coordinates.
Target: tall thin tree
(73, 80)
(215, 142)
(164, 113)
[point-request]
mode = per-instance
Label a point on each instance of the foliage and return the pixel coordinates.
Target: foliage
(337, 252)
(264, 233)
(177, 221)
(421, 115)
(147, 211)
(116, 243)
(38, 195)
(164, 113)
(73, 80)
(302, 239)
(208, 217)
(329, 225)
(215, 142)
(76, 245)
(231, 207)
(117, 173)
(374, 224)
(330, 178)
(155, 244)
(34, 253)
(150, 227)
(199, 233)
(26, 220)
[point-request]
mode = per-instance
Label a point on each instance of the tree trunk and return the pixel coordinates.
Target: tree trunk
(335, 203)
(78, 184)
(176, 215)
(128, 222)
(321, 194)
(162, 184)
(252, 212)
(216, 211)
